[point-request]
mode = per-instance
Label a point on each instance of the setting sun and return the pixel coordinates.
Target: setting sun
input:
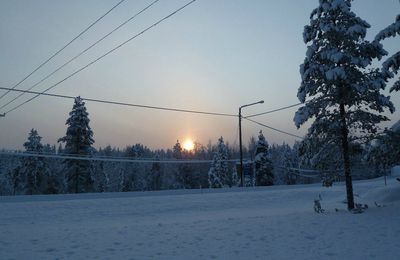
(188, 145)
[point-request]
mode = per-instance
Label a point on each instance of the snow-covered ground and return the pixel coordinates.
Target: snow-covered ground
(254, 223)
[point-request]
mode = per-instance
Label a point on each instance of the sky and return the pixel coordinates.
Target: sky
(213, 56)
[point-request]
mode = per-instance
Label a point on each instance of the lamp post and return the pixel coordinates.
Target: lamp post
(240, 138)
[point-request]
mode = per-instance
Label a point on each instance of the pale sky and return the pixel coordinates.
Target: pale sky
(214, 56)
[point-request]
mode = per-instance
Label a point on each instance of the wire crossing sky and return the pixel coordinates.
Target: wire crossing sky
(101, 57)
(79, 54)
(212, 56)
(165, 108)
(109, 159)
(123, 104)
(65, 46)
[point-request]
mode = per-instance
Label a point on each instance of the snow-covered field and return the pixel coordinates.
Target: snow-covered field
(253, 223)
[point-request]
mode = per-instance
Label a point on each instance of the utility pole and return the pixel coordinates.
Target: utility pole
(240, 147)
(240, 140)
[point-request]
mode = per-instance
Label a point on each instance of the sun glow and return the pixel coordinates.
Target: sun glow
(188, 145)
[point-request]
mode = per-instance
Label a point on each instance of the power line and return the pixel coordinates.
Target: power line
(81, 53)
(75, 155)
(273, 128)
(142, 159)
(122, 103)
(65, 46)
(106, 159)
(102, 56)
(274, 110)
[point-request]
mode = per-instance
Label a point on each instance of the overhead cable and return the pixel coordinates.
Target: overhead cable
(124, 104)
(102, 56)
(274, 110)
(275, 129)
(105, 159)
(65, 46)
(81, 53)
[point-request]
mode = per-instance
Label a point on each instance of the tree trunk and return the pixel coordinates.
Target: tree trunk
(346, 158)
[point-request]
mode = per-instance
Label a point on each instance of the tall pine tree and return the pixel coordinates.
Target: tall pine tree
(177, 150)
(337, 88)
(218, 175)
(262, 165)
(184, 172)
(34, 169)
(78, 141)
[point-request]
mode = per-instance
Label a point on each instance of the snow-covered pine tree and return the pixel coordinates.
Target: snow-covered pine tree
(338, 90)
(176, 169)
(15, 177)
(177, 150)
(127, 172)
(289, 159)
(184, 171)
(384, 151)
(78, 141)
(262, 165)
(124, 181)
(102, 180)
(252, 146)
(140, 179)
(218, 175)
(60, 149)
(156, 174)
(5, 187)
(53, 180)
(392, 65)
(320, 154)
(34, 169)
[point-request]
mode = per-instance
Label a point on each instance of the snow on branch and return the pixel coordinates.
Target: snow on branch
(336, 73)
(391, 67)
(389, 31)
(396, 86)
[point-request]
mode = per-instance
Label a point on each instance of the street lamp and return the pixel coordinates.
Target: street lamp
(240, 138)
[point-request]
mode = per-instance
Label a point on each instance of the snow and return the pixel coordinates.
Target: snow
(302, 115)
(357, 29)
(377, 84)
(396, 127)
(336, 73)
(340, 4)
(333, 55)
(392, 63)
(395, 172)
(362, 62)
(389, 31)
(276, 222)
(396, 86)
(334, 5)
(311, 50)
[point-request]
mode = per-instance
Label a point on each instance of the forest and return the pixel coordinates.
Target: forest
(139, 168)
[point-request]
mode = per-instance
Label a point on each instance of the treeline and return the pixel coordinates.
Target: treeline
(38, 175)
(34, 175)
(264, 164)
